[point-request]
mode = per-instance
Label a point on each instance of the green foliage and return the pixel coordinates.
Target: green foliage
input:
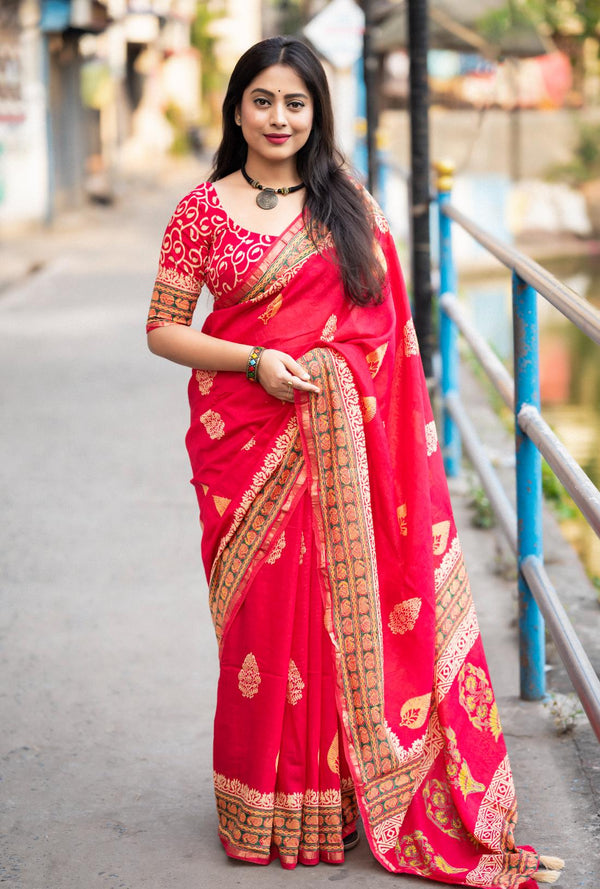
(556, 495)
(579, 18)
(496, 23)
(181, 139)
(203, 39)
(483, 514)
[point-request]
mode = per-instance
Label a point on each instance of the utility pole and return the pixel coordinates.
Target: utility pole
(418, 32)
(371, 68)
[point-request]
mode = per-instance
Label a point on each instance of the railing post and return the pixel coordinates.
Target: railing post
(448, 330)
(529, 489)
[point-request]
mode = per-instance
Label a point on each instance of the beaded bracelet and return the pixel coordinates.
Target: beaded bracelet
(253, 362)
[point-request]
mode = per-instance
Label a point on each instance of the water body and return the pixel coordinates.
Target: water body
(569, 369)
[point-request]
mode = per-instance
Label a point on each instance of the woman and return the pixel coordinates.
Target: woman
(352, 676)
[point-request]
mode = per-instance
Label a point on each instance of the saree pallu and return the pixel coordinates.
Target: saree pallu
(352, 674)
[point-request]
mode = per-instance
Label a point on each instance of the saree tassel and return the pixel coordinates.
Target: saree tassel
(550, 868)
(546, 876)
(550, 862)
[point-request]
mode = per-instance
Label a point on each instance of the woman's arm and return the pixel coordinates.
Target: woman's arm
(192, 348)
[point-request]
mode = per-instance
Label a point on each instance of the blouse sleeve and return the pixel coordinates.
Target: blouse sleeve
(181, 268)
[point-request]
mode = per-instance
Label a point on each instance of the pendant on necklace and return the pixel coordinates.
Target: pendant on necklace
(267, 199)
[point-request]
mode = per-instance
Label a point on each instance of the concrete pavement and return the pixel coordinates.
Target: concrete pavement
(107, 658)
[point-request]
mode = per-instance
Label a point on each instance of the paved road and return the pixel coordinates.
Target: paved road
(107, 658)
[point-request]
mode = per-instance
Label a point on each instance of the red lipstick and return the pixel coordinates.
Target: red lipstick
(276, 138)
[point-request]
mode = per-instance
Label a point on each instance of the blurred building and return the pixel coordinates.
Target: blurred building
(93, 89)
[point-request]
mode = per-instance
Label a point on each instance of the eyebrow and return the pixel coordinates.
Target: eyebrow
(287, 96)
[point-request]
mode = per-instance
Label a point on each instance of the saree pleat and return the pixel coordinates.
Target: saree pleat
(282, 734)
(353, 678)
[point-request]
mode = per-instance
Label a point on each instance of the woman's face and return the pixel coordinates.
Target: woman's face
(276, 115)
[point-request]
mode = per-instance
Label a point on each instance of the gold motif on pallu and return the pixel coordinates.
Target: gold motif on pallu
(221, 503)
(311, 821)
(402, 512)
(271, 309)
(497, 815)
(205, 380)
(411, 343)
(458, 769)
(249, 676)
(477, 698)
(431, 438)
(277, 550)
(241, 549)
(415, 851)
(213, 423)
(330, 328)
(375, 359)
(302, 548)
(295, 685)
(441, 811)
(368, 407)
(249, 444)
(441, 533)
(404, 615)
(414, 712)
(333, 754)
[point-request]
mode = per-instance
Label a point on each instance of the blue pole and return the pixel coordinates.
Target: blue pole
(359, 158)
(448, 330)
(529, 489)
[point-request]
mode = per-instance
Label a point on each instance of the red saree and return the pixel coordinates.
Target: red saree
(352, 674)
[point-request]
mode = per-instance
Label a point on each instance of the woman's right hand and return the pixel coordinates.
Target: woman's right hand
(280, 375)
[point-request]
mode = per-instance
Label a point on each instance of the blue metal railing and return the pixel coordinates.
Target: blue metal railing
(539, 603)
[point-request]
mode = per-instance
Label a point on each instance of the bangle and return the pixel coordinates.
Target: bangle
(253, 362)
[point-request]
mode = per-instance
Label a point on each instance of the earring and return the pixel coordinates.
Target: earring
(238, 120)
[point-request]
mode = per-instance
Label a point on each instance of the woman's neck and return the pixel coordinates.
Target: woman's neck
(272, 174)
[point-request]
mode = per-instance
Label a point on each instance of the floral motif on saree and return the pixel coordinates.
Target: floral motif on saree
(441, 811)
(477, 698)
(404, 615)
(249, 677)
(205, 380)
(295, 686)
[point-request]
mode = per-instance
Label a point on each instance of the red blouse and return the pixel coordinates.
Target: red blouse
(201, 246)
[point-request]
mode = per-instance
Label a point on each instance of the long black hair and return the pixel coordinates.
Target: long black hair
(333, 201)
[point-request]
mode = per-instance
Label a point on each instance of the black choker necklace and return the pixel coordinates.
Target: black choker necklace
(267, 197)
